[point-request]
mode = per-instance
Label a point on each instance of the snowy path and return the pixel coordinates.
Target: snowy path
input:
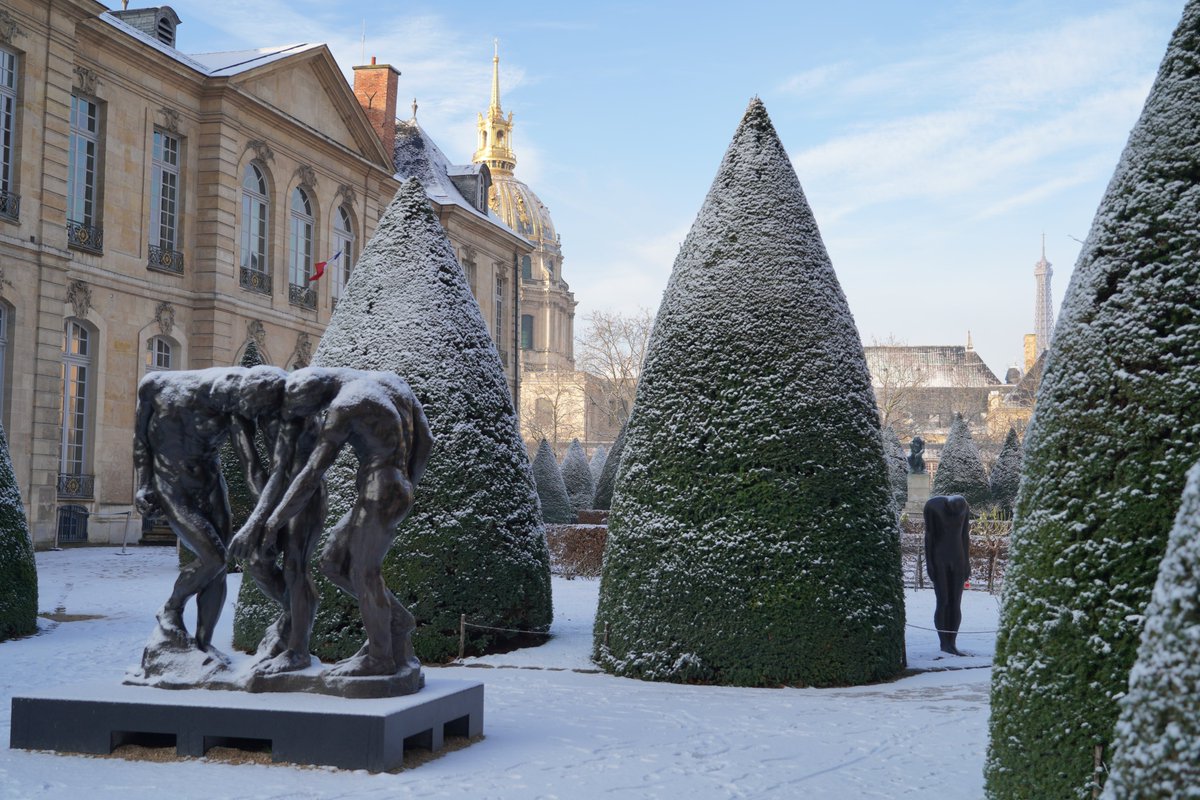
(550, 732)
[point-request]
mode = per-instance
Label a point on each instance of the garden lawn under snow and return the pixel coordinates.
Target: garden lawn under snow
(553, 728)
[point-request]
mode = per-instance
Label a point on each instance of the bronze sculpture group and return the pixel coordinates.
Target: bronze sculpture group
(306, 418)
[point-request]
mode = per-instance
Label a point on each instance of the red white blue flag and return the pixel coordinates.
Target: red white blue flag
(320, 267)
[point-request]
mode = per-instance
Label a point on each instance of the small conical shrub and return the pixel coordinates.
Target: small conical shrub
(18, 570)
(474, 542)
(596, 465)
(577, 475)
(1115, 429)
(608, 476)
(960, 470)
(1006, 473)
(897, 466)
(1158, 732)
(551, 489)
(753, 538)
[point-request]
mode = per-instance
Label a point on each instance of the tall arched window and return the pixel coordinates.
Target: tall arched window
(300, 249)
(255, 274)
(5, 322)
(75, 456)
(161, 354)
(343, 244)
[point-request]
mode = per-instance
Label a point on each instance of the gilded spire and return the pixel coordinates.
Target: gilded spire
(494, 108)
(495, 130)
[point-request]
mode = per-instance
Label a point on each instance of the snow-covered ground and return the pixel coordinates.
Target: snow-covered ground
(553, 728)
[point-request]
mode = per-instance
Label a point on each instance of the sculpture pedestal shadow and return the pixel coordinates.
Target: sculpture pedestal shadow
(300, 728)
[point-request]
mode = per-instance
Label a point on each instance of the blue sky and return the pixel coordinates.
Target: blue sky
(936, 141)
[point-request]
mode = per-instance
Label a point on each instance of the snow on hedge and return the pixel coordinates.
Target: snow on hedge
(960, 470)
(1116, 426)
(1005, 479)
(608, 475)
(1158, 732)
(897, 461)
(551, 489)
(474, 542)
(577, 475)
(18, 573)
(596, 465)
(753, 538)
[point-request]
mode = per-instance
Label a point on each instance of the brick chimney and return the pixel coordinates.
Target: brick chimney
(375, 86)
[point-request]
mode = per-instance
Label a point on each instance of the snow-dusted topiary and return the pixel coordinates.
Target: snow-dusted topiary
(753, 538)
(551, 489)
(596, 465)
(608, 475)
(1158, 732)
(960, 470)
(897, 461)
(577, 475)
(18, 570)
(1116, 426)
(1006, 473)
(474, 543)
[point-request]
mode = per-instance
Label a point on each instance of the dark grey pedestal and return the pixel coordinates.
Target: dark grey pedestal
(300, 728)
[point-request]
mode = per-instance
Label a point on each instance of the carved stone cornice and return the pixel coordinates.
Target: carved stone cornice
(8, 27)
(79, 295)
(257, 332)
(170, 117)
(262, 150)
(305, 177)
(302, 355)
(346, 193)
(86, 80)
(164, 315)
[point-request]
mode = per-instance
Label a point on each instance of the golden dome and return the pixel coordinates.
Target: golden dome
(521, 210)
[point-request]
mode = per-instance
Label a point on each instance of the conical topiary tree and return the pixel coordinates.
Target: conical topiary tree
(960, 470)
(596, 465)
(1158, 732)
(608, 476)
(18, 570)
(551, 489)
(1006, 473)
(474, 543)
(897, 466)
(577, 475)
(753, 538)
(1116, 426)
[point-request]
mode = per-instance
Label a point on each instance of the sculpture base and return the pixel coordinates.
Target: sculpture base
(918, 494)
(299, 728)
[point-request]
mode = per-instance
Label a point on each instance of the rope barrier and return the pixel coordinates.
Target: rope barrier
(507, 630)
(939, 630)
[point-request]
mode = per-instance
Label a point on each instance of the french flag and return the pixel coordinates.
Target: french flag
(320, 266)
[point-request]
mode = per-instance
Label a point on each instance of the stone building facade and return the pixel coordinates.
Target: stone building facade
(158, 211)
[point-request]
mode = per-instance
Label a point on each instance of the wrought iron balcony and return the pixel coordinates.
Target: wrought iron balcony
(85, 237)
(303, 296)
(10, 205)
(70, 485)
(164, 259)
(255, 280)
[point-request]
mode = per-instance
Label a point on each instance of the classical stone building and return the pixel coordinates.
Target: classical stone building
(158, 211)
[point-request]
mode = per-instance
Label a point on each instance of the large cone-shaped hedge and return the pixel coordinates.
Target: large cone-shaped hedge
(577, 476)
(551, 489)
(474, 542)
(753, 539)
(1158, 733)
(1116, 426)
(18, 570)
(1005, 479)
(960, 470)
